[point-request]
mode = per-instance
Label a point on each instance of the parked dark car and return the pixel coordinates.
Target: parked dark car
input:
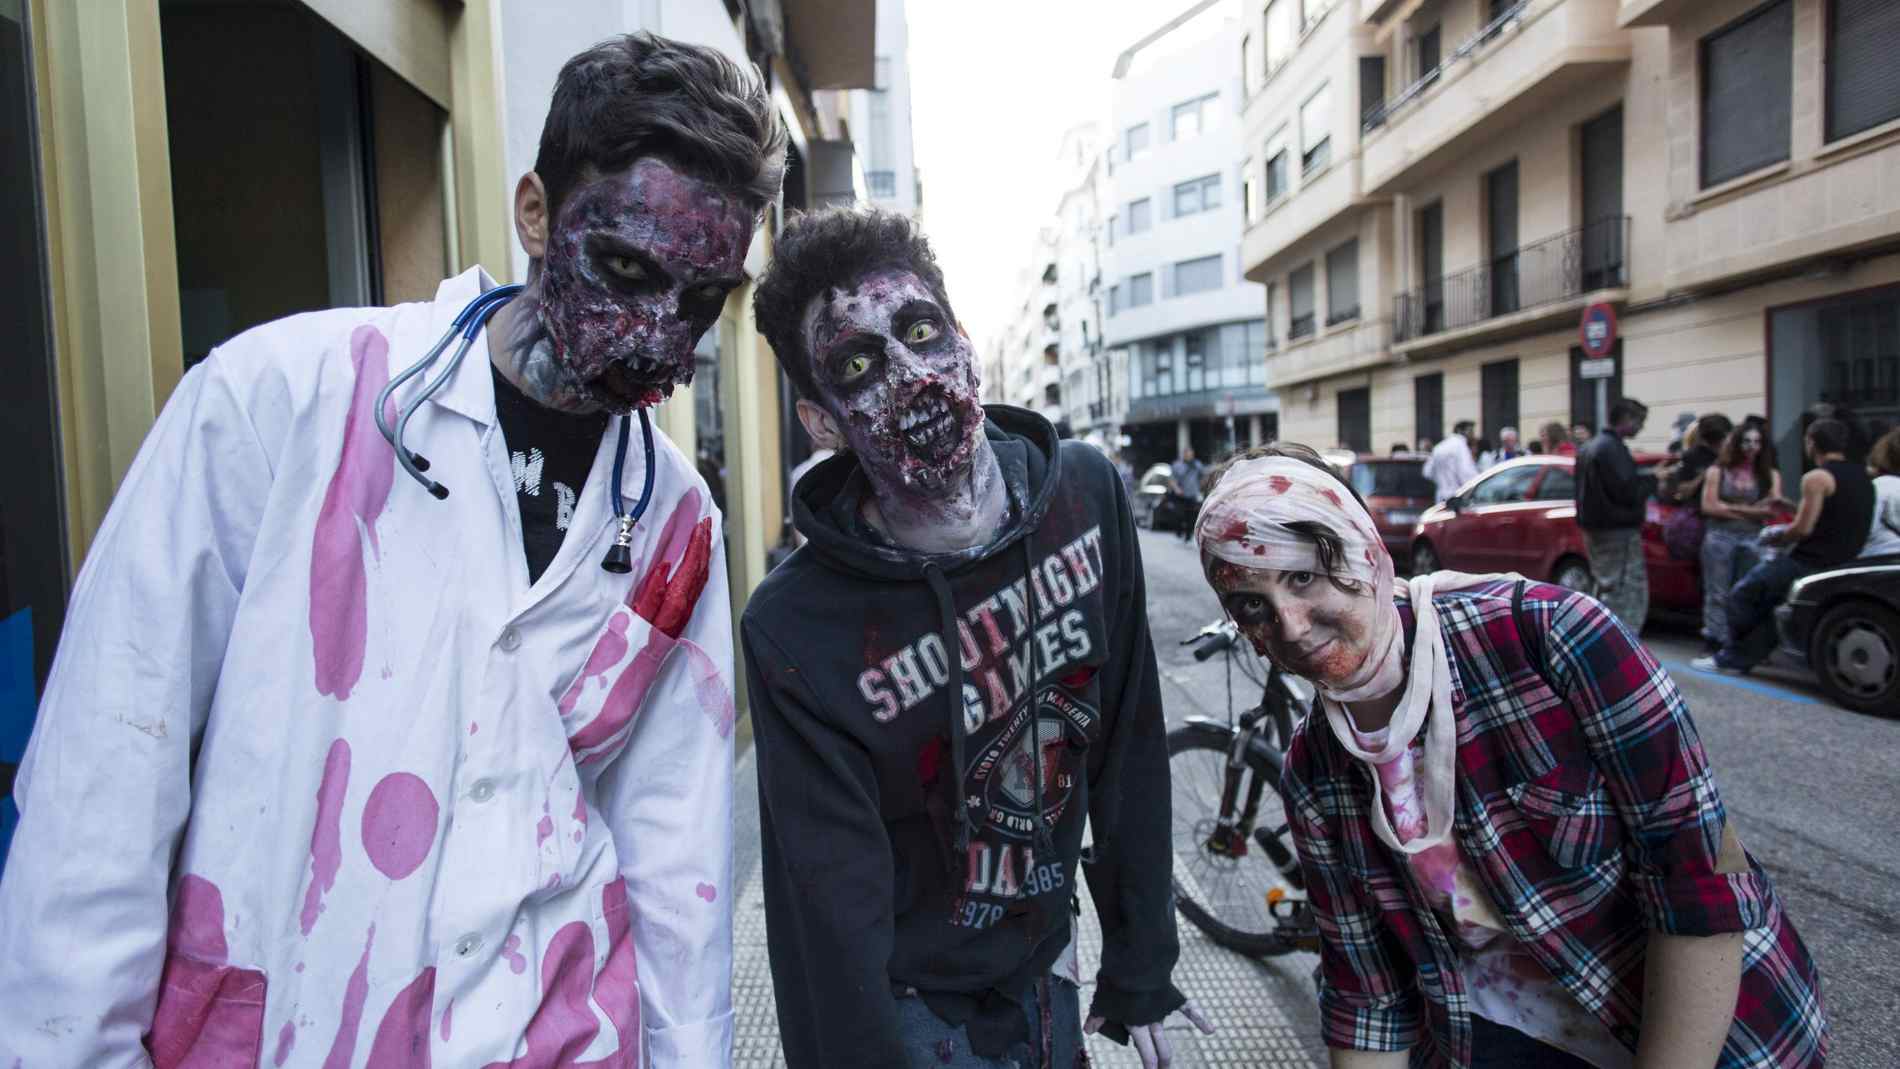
(1846, 624)
(1397, 493)
(1149, 492)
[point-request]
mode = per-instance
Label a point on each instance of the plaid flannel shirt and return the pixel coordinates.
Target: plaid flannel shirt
(1591, 819)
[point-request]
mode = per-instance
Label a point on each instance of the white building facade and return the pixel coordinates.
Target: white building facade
(1180, 316)
(880, 119)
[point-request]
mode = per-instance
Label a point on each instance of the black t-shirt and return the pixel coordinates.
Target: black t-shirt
(550, 454)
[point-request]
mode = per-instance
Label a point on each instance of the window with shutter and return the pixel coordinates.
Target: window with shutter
(1863, 81)
(1197, 276)
(1140, 215)
(1316, 131)
(1342, 283)
(1747, 93)
(1300, 291)
(1281, 32)
(1141, 290)
(1276, 166)
(1355, 419)
(1371, 89)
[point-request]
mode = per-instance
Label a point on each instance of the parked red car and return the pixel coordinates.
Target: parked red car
(1521, 516)
(1397, 493)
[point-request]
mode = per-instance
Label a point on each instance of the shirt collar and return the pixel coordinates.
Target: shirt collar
(470, 391)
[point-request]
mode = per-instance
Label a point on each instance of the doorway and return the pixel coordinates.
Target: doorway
(305, 175)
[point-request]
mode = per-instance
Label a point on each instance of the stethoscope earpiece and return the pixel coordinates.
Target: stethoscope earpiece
(469, 323)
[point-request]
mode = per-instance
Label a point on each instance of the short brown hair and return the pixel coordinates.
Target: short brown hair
(640, 95)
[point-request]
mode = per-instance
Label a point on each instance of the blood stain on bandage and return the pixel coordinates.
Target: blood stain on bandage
(399, 824)
(352, 503)
(1279, 484)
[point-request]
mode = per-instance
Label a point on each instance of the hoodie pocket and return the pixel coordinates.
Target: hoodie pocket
(208, 1017)
(599, 707)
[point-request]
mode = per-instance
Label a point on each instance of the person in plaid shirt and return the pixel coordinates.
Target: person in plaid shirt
(1513, 844)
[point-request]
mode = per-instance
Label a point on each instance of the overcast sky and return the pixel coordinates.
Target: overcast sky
(994, 84)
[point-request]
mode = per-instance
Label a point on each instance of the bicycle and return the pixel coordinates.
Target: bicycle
(1236, 877)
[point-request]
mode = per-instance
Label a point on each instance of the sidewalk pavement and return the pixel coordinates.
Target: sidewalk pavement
(1263, 1011)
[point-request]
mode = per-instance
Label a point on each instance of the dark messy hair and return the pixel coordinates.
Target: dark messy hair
(1628, 408)
(1464, 426)
(1712, 431)
(1328, 545)
(640, 95)
(832, 249)
(1828, 436)
(1764, 457)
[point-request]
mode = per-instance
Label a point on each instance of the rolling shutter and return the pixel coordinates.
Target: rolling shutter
(1863, 81)
(1747, 94)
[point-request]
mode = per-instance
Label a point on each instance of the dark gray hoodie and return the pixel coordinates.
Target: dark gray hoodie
(922, 817)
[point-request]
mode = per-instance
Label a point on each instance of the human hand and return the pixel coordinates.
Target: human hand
(667, 601)
(1150, 1040)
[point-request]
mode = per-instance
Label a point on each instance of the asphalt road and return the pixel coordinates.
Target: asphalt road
(1813, 791)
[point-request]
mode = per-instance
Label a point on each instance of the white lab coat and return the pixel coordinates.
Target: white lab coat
(1450, 465)
(343, 819)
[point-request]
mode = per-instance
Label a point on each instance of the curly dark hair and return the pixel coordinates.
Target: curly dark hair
(1329, 547)
(641, 95)
(830, 249)
(1731, 455)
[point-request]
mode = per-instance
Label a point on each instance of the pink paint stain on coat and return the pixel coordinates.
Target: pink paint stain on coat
(543, 830)
(355, 993)
(607, 653)
(706, 891)
(358, 492)
(617, 988)
(208, 1013)
(580, 815)
(448, 1020)
(402, 1040)
(399, 824)
(286, 1038)
(709, 689)
(511, 950)
(326, 848)
(563, 1025)
(623, 699)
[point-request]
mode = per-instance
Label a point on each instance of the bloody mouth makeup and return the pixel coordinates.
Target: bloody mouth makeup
(637, 267)
(1301, 621)
(899, 377)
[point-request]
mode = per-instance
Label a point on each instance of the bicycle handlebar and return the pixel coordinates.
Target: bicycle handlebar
(1207, 645)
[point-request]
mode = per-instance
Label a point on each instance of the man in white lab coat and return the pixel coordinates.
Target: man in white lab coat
(332, 772)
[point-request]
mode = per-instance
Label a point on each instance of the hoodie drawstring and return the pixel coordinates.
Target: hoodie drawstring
(953, 647)
(1043, 838)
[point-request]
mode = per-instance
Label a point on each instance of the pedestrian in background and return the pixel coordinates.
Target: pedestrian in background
(1186, 476)
(1507, 450)
(1740, 494)
(1579, 434)
(1425, 445)
(1883, 463)
(1702, 443)
(1610, 500)
(1837, 508)
(1451, 465)
(1127, 472)
(1557, 440)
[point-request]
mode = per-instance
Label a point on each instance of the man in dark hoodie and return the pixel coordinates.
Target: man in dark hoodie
(945, 680)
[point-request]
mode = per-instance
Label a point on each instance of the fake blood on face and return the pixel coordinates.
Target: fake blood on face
(901, 379)
(638, 265)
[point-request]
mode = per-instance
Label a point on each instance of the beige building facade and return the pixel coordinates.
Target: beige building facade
(1724, 175)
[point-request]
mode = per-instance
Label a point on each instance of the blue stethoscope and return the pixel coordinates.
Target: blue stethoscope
(469, 323)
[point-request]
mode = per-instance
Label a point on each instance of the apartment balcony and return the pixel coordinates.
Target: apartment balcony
(1534, 53)
(1541, 284)
(1296, 216)
(1351, 346)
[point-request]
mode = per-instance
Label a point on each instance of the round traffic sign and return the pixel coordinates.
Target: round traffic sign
(1598, 330)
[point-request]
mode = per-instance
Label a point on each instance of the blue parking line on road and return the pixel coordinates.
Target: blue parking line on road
(1744, 683)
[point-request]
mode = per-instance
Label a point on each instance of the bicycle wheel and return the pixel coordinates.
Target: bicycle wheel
(1225, 896)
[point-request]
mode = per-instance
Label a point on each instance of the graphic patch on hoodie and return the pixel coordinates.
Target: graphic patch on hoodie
(991, 640)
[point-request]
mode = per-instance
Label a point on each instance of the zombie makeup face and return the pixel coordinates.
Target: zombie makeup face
(900, 379)
(638, 265)
(1302, 621)
(1751, 444)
